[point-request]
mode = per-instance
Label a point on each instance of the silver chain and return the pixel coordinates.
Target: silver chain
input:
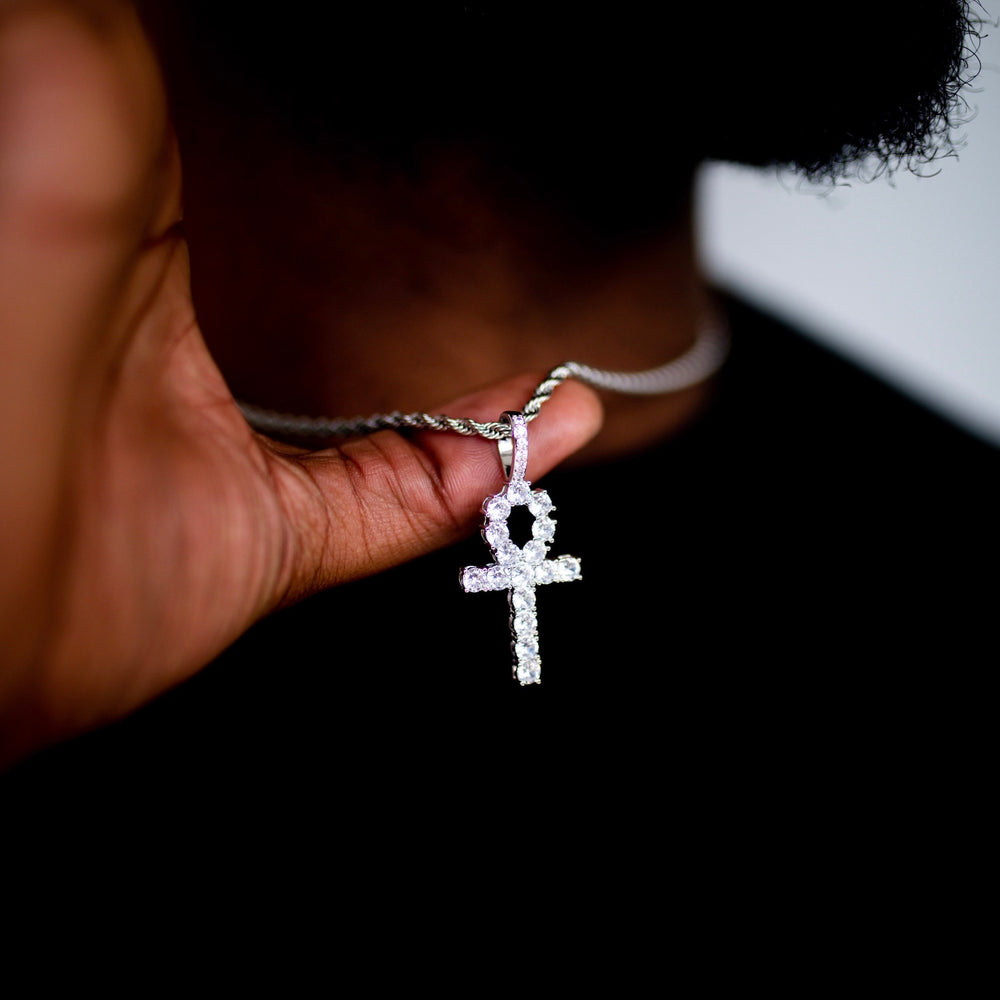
(700, 361)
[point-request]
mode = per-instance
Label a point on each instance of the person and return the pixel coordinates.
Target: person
(428, 210)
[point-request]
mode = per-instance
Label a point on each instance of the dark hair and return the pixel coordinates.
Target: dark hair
(601, 106)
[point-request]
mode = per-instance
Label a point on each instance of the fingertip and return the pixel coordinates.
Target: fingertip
(389, 497)
(568, 421)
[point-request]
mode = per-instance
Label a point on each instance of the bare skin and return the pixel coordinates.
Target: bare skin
(399, 291)
(143, 525)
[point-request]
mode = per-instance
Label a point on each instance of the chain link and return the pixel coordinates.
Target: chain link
(702, 360)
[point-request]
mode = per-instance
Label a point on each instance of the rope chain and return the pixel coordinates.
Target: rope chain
(700, 361)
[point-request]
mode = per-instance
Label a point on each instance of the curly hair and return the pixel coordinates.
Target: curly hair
(870, 99)
(601, 109)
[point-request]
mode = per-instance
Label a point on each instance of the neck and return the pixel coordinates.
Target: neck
(348, 293)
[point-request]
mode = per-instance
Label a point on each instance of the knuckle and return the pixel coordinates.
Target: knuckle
(400, 493)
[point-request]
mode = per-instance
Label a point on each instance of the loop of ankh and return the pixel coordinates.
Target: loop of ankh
(519, 569)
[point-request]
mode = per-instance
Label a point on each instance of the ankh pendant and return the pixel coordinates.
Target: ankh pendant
(519, 569)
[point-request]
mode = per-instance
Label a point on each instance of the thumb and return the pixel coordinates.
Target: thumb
(388, 498)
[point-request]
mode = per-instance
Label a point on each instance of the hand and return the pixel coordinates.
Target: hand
(143, 525)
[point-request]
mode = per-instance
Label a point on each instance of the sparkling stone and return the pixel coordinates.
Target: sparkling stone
(498, 508)
(472, 579)
(544, 527)
(539, 503)
(506, 552)
(496, 533)
(526, 649)
(523, 600)
(496, 578)
(520, 576)
(544, 572)
(534, 551)
(565, 568)
(518, 492)
(524, 625)
(529, 671)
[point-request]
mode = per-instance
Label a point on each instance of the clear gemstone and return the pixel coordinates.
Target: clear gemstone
(544, 572)
(529, 671)
(526, 648)
(520, 576)
(544, 527)
(496, 578)
(539, 503)
(496, 533)
(506, 552)
(524, 624)
(565, 568)
(534, 551)
(518, 492)
(523, 600)
(472, 579)
(497, 508)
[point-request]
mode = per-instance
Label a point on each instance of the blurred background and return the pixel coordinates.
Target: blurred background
(900, 275)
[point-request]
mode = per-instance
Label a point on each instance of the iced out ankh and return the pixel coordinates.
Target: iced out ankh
(519, 569)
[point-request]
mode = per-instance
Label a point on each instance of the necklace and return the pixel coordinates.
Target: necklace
(516, 569)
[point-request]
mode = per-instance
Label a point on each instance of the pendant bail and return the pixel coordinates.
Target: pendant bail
(514, 449)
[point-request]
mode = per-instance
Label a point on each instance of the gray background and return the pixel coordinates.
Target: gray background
(901, 276)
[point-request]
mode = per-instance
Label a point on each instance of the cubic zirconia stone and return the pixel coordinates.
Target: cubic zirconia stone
(496, 578)
(540, 503)
(523, 600)
(526, 649)
(518, 492)
(530, 671)
(520, 576)
(544, 572)
(565, 568)
(544, 527)
(496, 533)
(534, 551)
(524, 624)
(506, 553)
(497, 508)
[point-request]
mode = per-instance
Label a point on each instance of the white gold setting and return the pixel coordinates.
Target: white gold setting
(517, 569)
